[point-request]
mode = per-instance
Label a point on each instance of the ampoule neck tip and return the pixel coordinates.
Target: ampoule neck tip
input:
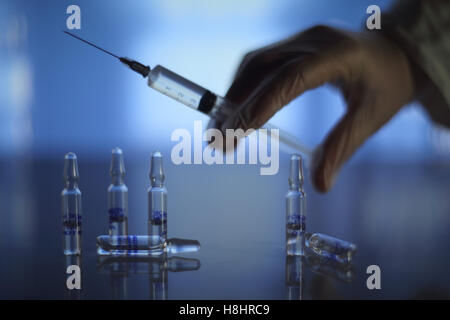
(296, 171)
(70, 156)
(117, 163)
(156, 170)
(156, 154)
(117, 150)
(70, 166)
(156, 164)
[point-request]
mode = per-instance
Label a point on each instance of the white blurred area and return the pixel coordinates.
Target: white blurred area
(204, 42)
(16, 132)
(57, 94)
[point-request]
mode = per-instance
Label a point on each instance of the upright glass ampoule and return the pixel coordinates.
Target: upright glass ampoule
(117, 196)
(295, 209)
(157, 200)
(71, 206)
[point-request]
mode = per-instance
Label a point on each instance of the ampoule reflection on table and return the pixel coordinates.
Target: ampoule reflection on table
(296, 266)
(329, 267)
(118, 280)
(157, 268)
(294, 275)
(71, 292)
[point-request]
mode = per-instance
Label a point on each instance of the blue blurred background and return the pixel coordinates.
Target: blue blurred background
(59, 95)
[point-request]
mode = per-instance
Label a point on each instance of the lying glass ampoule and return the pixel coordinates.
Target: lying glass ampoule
(332, 248)
(134, 245)
(71, 206)
(157, 200)
(295, 208)
(117, 196)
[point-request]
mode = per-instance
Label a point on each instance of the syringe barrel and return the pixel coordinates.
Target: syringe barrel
(181, 89)
(192, 95)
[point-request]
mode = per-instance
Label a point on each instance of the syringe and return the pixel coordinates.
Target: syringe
(193, 95)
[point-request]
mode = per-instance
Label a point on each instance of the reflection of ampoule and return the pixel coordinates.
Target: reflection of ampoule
(71, 206)
(332, 248)
(294, 277)
(118, 277)
(158, 273)
(71, 261)
(295, 209)
(133, 245)
(158, 278)
(330, 267)
(138, 264)
(117, 196)
(157, 200)
(157, 267)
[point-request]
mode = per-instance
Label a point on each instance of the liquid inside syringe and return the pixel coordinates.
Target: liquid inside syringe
(193, 95)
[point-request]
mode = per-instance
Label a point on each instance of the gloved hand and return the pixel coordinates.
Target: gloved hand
(373, 73)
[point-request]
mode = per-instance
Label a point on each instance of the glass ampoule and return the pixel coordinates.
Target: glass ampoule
(157, 200)
(332, 248)
(138, 245)
(71, 206)
(295, 208)
(117, 196)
